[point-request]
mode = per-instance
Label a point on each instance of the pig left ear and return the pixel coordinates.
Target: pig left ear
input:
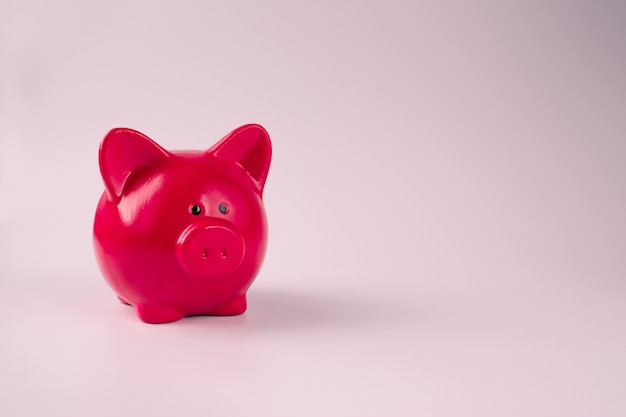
(122, 151)
(248, 146)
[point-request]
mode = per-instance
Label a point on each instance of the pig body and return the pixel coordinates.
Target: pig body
(182, 233)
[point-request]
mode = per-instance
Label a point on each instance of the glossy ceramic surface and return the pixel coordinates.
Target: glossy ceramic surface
(179, 233)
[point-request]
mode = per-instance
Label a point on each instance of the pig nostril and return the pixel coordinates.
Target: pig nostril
(205, 253)
(223, 253)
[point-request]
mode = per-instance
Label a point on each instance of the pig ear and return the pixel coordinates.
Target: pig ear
(121, 152)
(248, 146)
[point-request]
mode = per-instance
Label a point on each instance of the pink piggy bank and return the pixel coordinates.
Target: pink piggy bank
(181, 233)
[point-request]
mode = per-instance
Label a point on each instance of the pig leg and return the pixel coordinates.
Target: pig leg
(155, 314)
(231, 308)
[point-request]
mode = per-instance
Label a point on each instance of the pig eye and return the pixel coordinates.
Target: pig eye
(223, 208)
(195, 210)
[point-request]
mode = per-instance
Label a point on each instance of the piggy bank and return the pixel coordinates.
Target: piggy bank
(181, 233)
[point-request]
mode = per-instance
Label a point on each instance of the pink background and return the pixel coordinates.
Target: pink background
(447, 206)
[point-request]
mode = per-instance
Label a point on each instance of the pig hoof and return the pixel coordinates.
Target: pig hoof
(234, 307)
(156, 314)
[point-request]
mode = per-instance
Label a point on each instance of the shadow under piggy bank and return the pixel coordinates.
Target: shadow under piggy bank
(276, 310)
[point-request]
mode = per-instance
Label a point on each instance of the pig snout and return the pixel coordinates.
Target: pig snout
(209, 249)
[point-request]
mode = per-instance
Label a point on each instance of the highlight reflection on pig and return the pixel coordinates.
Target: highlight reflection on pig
(180, 233)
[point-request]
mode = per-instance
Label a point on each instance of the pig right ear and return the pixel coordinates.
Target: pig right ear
(121, 152)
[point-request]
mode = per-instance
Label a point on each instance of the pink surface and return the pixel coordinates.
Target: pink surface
(446, 209)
